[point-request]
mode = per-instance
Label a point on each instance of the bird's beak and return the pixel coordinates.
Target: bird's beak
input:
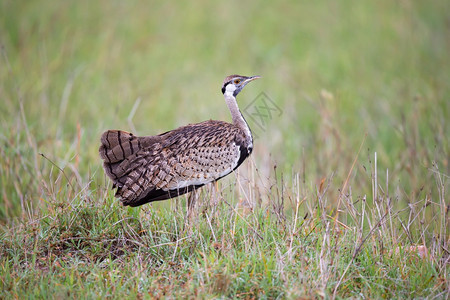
(251, 79)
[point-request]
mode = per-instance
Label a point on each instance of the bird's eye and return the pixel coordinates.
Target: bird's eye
(236, 81)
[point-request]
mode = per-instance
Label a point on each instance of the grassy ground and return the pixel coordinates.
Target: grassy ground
(347, 184)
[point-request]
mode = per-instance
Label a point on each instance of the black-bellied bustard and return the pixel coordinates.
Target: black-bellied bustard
(151, 168)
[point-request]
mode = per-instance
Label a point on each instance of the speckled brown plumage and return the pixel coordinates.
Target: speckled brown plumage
(152, 168)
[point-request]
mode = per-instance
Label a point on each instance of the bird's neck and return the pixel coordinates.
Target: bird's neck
(237, 117)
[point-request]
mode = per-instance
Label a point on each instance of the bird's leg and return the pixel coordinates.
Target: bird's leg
(192, 200)
(190, 207)
(214, 197)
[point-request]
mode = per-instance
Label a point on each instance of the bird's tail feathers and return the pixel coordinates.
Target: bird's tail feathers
(116, 145)
(116, 149)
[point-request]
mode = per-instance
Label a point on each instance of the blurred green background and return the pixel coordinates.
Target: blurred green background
(339, 70)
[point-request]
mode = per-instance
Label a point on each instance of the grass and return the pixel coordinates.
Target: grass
(341, 191)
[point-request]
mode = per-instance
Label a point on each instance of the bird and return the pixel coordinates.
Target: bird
(144, 169)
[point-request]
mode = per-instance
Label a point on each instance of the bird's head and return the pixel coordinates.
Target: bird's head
(233, 84)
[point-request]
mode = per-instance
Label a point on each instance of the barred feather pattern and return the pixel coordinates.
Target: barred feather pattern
(152, 168)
